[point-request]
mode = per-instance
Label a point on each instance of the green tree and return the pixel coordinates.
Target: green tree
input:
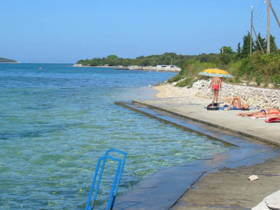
(226, 55)
(226, 50)
(273, 46)
(260, 43)
(238, 50)
(245, 50)
(112, 57)
(112, 60)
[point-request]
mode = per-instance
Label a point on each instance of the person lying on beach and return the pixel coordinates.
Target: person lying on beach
(274, 119)
(235, 103)
(262, 114)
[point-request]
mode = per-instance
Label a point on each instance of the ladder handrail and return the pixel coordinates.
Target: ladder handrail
(97, 177)
(117, 151)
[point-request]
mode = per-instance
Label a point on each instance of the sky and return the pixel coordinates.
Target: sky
(64, 31)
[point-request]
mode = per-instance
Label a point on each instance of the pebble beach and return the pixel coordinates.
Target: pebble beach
(258, 98)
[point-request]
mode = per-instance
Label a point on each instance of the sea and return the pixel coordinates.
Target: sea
(56, 120)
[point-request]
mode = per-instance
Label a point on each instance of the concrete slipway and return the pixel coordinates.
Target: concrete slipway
(218, 183)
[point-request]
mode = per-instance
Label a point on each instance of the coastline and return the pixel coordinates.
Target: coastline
(200, 197)
(184, 102)
(16, 62)
(256, 97)
(159, 68)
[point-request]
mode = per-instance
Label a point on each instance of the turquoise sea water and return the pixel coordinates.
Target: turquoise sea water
(56, 120)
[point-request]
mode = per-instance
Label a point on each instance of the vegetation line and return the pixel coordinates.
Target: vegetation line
(257, 69)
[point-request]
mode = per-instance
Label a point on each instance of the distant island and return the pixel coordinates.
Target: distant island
(7, 60)
(166, 59)
(164, 62)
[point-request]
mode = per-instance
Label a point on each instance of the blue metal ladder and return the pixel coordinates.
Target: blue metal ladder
(97, 177)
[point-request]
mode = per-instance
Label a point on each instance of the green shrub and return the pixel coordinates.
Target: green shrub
(189, 72)
(187, 82)
(276, 80)
(175, 78)
(262, 68)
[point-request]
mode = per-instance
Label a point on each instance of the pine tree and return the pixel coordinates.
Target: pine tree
(263, 43)
(245, 51)
(260, 43)
(238, 50)
(273, 46)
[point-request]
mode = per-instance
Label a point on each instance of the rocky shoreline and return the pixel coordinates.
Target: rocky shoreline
(163, 68)
(259, 98)
(254, 96)
(228, 188)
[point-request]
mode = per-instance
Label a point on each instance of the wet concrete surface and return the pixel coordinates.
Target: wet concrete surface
(177, 187)
(227, 120)
(231, 188)
(161, 190)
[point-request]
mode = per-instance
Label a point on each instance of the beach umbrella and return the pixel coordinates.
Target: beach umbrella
(215, 73)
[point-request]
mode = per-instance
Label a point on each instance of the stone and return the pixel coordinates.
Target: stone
(273, 201)
(261, 206)
(270, 202)
(256, 97)
(253, 178)
(253, 83)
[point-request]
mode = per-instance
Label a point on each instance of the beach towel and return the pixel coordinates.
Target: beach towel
(273, 120)
(232, 108)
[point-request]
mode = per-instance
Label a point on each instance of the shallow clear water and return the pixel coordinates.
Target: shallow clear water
(57, 120)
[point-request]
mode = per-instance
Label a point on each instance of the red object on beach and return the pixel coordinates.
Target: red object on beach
(273, 120)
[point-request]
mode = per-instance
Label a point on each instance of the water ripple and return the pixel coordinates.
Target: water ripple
(56, 122)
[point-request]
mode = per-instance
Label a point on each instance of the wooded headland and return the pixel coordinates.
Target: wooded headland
(247, 64)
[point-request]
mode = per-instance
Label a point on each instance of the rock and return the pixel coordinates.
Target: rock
(256, 97)
(253, 178)
(261, 206)
(270, 202)
(273, 201)
(270, 85)
(253, 84)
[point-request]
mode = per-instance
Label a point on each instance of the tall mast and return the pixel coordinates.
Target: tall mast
(274, 13)
(258, 39)
(268, 26)
(251, 31)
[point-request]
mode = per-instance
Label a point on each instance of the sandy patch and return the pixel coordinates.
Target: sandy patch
(170, 91)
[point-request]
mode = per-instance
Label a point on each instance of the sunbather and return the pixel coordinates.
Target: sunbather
(274, 119)
(235, 103)
(262, 114)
